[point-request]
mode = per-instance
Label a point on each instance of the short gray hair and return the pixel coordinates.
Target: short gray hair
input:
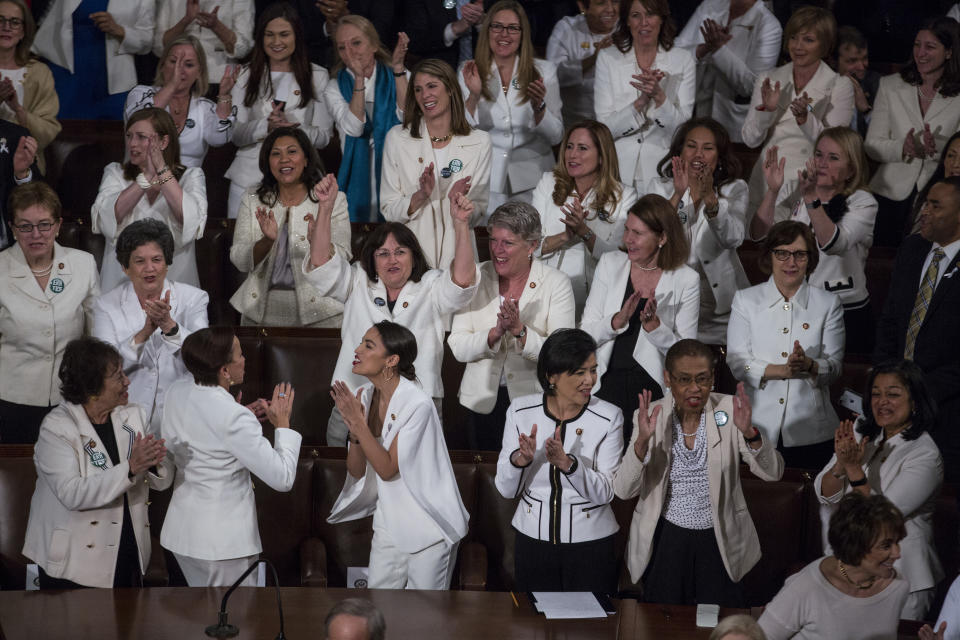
(361, 608)
(738, 624)
(518, 217)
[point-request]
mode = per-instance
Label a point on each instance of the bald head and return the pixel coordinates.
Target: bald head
(347, 627)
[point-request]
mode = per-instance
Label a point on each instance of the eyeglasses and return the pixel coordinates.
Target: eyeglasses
(13, 23)
(396, 253)
(799, 256)
(512, 29)
(702, 380)
(42, 227)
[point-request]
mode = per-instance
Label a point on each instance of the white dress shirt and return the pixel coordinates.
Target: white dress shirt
(949, 253)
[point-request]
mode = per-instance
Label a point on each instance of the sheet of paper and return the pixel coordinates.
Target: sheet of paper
(708, 615)
(568, 604)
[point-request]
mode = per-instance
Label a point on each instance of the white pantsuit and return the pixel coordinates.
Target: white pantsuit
(643, 137)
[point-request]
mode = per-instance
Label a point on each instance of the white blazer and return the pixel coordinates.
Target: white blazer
(251, 128)
(595, 438)
(425, 475)
(76, 513)
(571, 41)
(54, 39)
(216, 443)
(155, 364)
(574, 260)
(522, 150)
(763, 327)
(237, 15)
(251, 298)
(909, 474)
(725, 78)
(896, 110)
(423, 307)
(643, 138)
(832, 106)
(36, 324)
(546, 305)
(405, 158)
(103, 220)
(678, 307)
(726, 449)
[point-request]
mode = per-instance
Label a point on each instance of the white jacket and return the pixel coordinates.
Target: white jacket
(678, 307)
(76, 513)
(762, 330)
(571, 41)
(642, 139)
(54, 39)
(237, 15)
(155, 364)
(216, 443)
(595, 439)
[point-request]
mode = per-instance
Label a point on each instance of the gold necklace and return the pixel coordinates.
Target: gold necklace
(859, 585)
(441, 139)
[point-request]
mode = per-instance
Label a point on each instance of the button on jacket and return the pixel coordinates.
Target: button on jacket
(555, 506)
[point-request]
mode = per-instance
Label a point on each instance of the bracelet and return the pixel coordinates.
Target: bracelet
(714, 211)
(397, 74)
(541, 107)
(143, 182)
(755, 438)
(574, 463)
(858, 483)
(226, 98)
(172, 332)
(164, 181)
(360, 90)
(162, 170)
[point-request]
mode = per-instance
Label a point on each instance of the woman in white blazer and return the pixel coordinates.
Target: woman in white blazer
(92, 44)
(830, 195)
(366, 97)
(793, 103)
(95, 464)
(560, 451)
(271, 237)
(180, 88)
(583, 205)
(645, 88)
(398, 468)
(216, 443)
(642, 300)
(46, 301)
(391, 281)
(151, 184)
(700, 176)
(785, 342)
(914, 113)
(223, 27)
(430, 159)
(520, 301)
(147, 319)
(691, 536)
(516, 99)
(891, 453)
(733, 43)
(278, 88)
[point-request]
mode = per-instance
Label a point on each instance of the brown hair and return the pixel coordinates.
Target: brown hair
(526, 70)
(947, 32)
(659, 215)
(31, 194)
(205, 351)
(623, 39)
(404, 237)
(607, 189)
(851, 144)
(816, 19)
(259, 64)
(785, 232)
(202, 83)
(728, 167)
(858, 524)
(163, 125)
(412, 114)
(21, 54)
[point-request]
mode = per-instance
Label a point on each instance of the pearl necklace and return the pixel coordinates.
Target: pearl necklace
(923, 96)
(44, 271)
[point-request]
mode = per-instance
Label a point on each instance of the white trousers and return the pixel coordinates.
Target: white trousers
(391, 568)
(216, 573)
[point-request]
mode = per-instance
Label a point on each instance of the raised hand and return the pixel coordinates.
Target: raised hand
(192, 10)
(536, 92)
(24, 155)
(281, 405)
(350, 407)
(229, 79)
(797, 362)
(573, 218)
(910, 150)
(325, 193)
(929, 142)
(158, 311)
(622, 317)
(702, 187)
(553, 447)
(774, 169)
(527, 447)
(146, 452)
(208, 19)
(258, 407)
(471, 77)
(428, 180)
(849, 452)
(800, 108)
(8, 93)
(742, 411)
(461, 209)
(927, 633)
(268, 223)
(646, 423)
(460, 187)
(649, 318)
(681, 181)
(807, 179)
(399, 52)
(472, 12)
(769, 96)
(510, 314)
(859, 97)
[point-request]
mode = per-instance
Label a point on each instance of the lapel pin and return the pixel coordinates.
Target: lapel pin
(806, 325)
(579, 431)
(720, 417)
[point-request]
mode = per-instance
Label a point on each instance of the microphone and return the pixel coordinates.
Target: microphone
(224, 629)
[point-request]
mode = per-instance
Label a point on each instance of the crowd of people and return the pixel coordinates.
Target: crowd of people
(606, 177)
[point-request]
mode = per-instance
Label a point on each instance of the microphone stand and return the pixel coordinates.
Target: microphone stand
(223, 629)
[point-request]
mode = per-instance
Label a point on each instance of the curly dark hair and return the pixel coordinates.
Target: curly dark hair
(947, 31)
(404, 237)
(728, 167)
(924, 406)
(268, 190)
(86, 364)
(140, 233)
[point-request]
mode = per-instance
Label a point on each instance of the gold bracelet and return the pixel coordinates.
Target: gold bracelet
(225, 99)
(164, 181)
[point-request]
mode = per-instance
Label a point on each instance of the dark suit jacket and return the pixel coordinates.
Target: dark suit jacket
(320, 46)
(424, 21)
(869, 85)
(937, 349)
(10, 135)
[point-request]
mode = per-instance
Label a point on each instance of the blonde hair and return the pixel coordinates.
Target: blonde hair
(202, 83)
(369, 32)
(526, 70)
(607, 189)
(816, 19)
(851, 144)
(742, 624)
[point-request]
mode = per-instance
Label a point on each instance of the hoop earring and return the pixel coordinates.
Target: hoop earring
(386, 379)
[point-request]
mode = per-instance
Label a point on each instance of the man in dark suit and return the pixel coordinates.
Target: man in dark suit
(853, 61)
(921, 315)
(442, 30)
(320, 19)
(18, 153)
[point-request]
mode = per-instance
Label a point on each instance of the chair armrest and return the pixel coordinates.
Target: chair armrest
(313, 563)
(473, 566)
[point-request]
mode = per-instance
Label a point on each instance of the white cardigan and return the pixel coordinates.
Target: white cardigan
(76, 513)
(216, 443)
(678, 307)
(643, 138)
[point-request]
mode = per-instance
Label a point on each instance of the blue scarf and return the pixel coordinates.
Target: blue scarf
(354, 174)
